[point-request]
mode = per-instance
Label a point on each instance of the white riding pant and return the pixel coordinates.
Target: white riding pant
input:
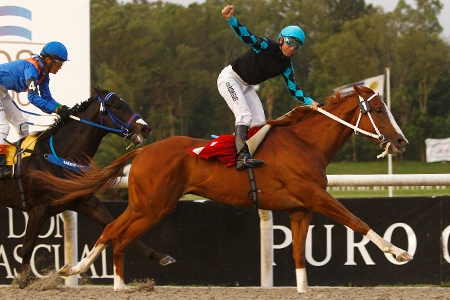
(241, 98)
(10, 113)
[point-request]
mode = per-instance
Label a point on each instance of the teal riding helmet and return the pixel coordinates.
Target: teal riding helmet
(293, 32)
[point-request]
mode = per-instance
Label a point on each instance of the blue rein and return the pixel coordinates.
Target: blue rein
(123, 128)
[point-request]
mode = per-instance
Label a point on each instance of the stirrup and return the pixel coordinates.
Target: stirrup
(248, 162)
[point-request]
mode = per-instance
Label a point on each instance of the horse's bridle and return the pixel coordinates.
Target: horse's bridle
(123, 126)
(364, 109)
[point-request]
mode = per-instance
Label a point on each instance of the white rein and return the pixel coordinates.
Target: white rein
(363, 103)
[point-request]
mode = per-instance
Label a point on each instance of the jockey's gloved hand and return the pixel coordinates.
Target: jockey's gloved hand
(64, 112)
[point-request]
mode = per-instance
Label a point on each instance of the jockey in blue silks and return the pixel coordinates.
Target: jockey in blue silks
(264, 60)
(28, 75)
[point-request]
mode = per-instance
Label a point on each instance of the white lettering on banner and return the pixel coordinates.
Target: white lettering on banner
(308, 250)
(445, 235)
(351, 245)
(5, 262)
(412, 241)
(287, 239)
(55, 222)
(11, 224)
(18, 258)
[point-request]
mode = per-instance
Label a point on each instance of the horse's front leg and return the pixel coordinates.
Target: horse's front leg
(300, 221)
(387, 247)
(330, 207)
(83, 265)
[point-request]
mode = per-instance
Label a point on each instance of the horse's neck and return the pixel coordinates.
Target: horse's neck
(77, 140)
(326, 135)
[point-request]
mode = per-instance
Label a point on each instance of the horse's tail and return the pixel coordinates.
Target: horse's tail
(84, 183)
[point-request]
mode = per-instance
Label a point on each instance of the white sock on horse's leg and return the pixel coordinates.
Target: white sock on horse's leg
(387, 247)
(86, 262)
(384, 245)
(302, 280)
(119, 284)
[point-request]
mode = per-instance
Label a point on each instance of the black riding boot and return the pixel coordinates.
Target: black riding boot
(3, 171)
(243, 157)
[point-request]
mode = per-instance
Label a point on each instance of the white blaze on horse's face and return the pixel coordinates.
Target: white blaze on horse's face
(142, 122)
(394, 123)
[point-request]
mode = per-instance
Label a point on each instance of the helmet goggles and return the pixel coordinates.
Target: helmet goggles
(291, 42)
(57, 60)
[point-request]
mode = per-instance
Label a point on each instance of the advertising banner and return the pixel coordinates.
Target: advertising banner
(26, 26)
(438, 149)
(217, 244)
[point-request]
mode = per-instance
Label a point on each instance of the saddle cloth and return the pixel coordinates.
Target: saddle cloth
(29, 143)
(223, 147)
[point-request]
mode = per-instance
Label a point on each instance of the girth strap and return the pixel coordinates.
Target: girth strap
(253, 193)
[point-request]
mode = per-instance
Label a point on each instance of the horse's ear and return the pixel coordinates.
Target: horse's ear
(96, 89)
(357, 89)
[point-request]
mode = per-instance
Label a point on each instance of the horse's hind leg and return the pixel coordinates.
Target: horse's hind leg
(300, 221)
(36, 219)
(94, 209)
(138, 224)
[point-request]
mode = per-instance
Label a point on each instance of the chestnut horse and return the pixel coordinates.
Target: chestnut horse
(296, 151)
(71, 141)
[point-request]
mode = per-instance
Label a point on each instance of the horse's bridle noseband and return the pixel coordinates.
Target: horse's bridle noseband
(124, 127)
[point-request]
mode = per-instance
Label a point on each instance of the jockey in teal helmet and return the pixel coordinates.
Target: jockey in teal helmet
(264, 60)
(29, 75)
(293, 32)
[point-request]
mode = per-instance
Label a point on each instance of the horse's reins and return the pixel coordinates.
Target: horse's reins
(123, 127)
(364, 108)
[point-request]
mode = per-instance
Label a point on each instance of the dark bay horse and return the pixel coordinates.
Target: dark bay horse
(296, 151)
(73, 141)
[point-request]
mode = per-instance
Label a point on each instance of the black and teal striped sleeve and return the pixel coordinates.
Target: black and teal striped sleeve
(291, 84)
(257, 43)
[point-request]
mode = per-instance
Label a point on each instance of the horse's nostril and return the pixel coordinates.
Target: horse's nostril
(403, 142)
(146, 129)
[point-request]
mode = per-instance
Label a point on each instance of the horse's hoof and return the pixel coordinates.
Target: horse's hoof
(167, 260)
(65, 271)
(23, 284)
(404, 257)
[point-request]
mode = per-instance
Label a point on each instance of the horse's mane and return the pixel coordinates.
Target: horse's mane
(59, 122)
(303, 112)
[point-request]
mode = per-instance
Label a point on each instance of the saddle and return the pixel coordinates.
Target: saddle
(12, 150)
(223, 148)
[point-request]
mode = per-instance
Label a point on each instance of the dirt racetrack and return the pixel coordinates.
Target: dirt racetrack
(53, 288)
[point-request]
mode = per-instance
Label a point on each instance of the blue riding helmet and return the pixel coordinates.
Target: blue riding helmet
(56, 50)
(293, 32)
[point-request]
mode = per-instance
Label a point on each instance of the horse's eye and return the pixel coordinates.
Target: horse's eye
(118, 105)
(378, 110)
